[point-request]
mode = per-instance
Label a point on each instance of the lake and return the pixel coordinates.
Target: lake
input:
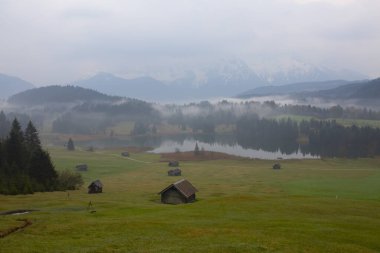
(169, 146)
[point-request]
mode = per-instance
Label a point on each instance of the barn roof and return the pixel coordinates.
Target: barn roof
(96, 183)
(183, 186)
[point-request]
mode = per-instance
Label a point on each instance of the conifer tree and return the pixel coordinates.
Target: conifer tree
(196, 149)
(15, 150)
(32, 141)
(42, 171)
(4, 126)
(70, 145)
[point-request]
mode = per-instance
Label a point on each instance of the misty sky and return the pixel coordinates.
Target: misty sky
(52, 42)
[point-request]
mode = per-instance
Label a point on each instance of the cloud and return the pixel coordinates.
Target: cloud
(58, 41)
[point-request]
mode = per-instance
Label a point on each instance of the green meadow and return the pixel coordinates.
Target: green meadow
(243, 205)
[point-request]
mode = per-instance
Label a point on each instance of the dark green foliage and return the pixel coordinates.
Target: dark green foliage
(196, 149)
(5, 125)
(326, 138)
(267, 134)
(15, 147)
(24, 166)
(68, 180)
(41, 171)
(70, 145)
(32, 141)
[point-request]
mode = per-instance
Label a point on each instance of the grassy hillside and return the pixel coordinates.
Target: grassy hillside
(243, 206)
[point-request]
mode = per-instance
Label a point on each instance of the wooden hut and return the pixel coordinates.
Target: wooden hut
(173, 164)
(81, 167)
(179, 192)
(174, 172)
(125, 153)
(95, 187)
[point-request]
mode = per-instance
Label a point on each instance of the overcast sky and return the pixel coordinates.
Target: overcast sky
(56, 41)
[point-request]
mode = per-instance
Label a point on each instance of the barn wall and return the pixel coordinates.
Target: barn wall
(191, 198)
(172, 196)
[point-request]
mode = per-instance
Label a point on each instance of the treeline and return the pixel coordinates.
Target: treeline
(324, 138)
(330, 139)
(204, 116)
(331, 112)
(94, 118)
(24, 166)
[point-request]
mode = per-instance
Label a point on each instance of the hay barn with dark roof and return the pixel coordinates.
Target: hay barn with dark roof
(95, 187)
(179, 192)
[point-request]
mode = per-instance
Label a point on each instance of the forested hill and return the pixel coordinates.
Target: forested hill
(360, 90)
(370, 90)
(292, 88)
(58, 94)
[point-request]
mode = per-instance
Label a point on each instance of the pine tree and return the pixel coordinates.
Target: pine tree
(4, 125)
(70, 145)
(14, 147)
(42, 171)
(32, 141)
(196, 149)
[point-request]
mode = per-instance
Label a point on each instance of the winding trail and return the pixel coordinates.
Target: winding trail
(9, 231)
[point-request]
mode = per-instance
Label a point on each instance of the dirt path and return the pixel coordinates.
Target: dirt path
(25, 223)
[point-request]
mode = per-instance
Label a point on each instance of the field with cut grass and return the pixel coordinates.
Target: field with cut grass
(243, 205)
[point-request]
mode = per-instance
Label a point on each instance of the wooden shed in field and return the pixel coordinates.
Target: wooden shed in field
(179, 192)
(174, 172)
(125, 153)
(173, 163)
(81, 167)
(95, 187)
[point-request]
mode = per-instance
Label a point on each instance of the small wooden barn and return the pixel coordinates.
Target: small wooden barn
(179, 192)
(95, 187)
(174, 172)
(81, 167)
(125, 153)
(173, 164)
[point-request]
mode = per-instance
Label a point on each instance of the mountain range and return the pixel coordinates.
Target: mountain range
(224, 78)
(10, 85)
(292, 88)
(356, 90)
(343, 90)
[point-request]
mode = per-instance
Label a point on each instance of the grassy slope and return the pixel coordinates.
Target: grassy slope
(243, 206)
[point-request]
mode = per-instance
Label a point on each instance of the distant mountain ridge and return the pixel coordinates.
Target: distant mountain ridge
(292, 88)
(292, 71)
(214, 79)
(58, 94)
(10, 85)
(141, 87)
(357, 90)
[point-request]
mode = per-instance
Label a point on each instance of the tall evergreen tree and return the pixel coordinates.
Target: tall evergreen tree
(4, 125)
(15, 149)
(42, 171)
(196, 149)
(32, 141)
(70, 145)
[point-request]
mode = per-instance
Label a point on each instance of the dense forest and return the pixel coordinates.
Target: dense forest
(323, 138)
(24, 166)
